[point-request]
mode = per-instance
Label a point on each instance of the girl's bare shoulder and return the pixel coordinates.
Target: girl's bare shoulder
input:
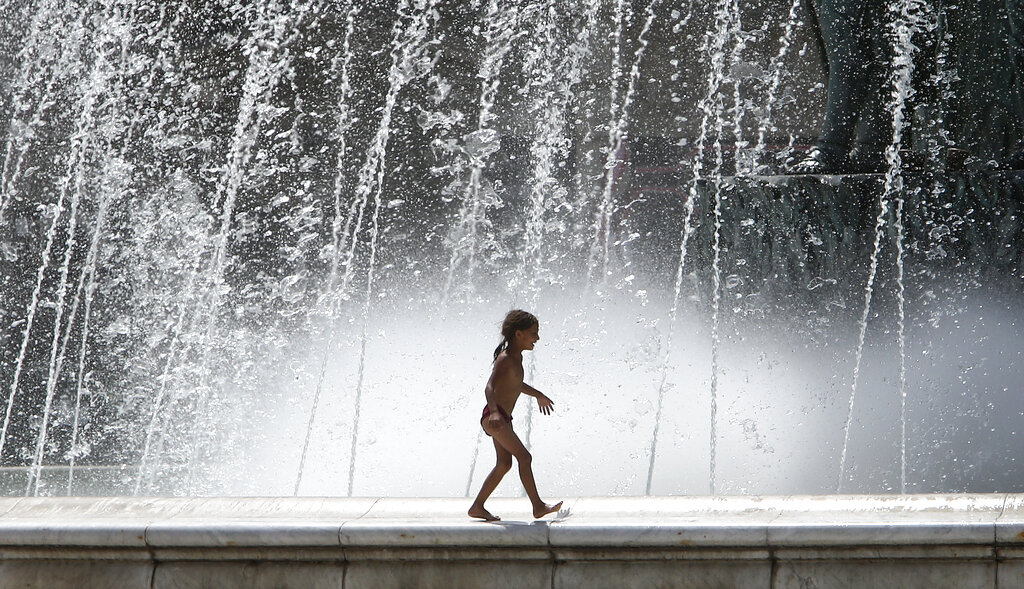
(500, 363)
(504, 364)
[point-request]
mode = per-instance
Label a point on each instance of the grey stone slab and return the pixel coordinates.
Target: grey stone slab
(670, 521)
(442, 553)
(74, 508)
(678, 574)
(975, 507)
(904, 574)
(879, 533)
(214, 534)
(882, 520)
(95, 532)
(398, 533)
(444, 522)
(1010, 552)
(75, 574)
(1011, 574)
(1010, 525)
(275, 508)
(493, 574)
(759, 508)
(82, 521)
(323, 554)
(75, 553)
(8, 503)
(257, 521)
(248, 575)
(610, 553)
(675, 532)
(516, 510)
(429, 508)
(950, 552)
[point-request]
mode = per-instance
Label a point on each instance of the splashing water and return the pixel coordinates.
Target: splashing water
(617, 133)
(501, 29)
(247, 237)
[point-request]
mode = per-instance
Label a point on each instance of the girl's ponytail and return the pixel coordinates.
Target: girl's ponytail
(501, 346)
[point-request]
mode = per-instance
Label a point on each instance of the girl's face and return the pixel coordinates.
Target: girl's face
(525, 338)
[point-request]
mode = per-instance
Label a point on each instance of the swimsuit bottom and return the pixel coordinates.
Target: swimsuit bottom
(502, 412)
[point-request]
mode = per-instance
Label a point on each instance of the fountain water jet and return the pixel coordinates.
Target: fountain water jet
(903, 53)
(408, 45)
(344, 122)
(711, 109)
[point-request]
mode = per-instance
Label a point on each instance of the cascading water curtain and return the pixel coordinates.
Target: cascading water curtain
(233, 235)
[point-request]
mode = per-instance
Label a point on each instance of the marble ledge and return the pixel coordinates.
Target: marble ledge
(878, 522)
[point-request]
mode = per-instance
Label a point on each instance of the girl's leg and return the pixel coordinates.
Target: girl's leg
(507, 438)
(504, 463)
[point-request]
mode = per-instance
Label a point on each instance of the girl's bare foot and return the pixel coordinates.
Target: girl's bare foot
(545, 509)
(481, 513)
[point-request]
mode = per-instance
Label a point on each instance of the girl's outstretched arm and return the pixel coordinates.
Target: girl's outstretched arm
(546, 405)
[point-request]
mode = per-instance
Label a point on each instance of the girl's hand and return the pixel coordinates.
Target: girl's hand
(546, 405)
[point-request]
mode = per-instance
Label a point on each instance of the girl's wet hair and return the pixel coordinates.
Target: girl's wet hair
(516, 320)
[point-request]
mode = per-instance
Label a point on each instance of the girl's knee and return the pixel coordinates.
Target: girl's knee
(525, 457)
(503, 466)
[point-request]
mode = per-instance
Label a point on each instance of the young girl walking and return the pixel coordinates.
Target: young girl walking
(519, 332)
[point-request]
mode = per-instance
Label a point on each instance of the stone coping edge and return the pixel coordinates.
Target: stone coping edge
(874, 522)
